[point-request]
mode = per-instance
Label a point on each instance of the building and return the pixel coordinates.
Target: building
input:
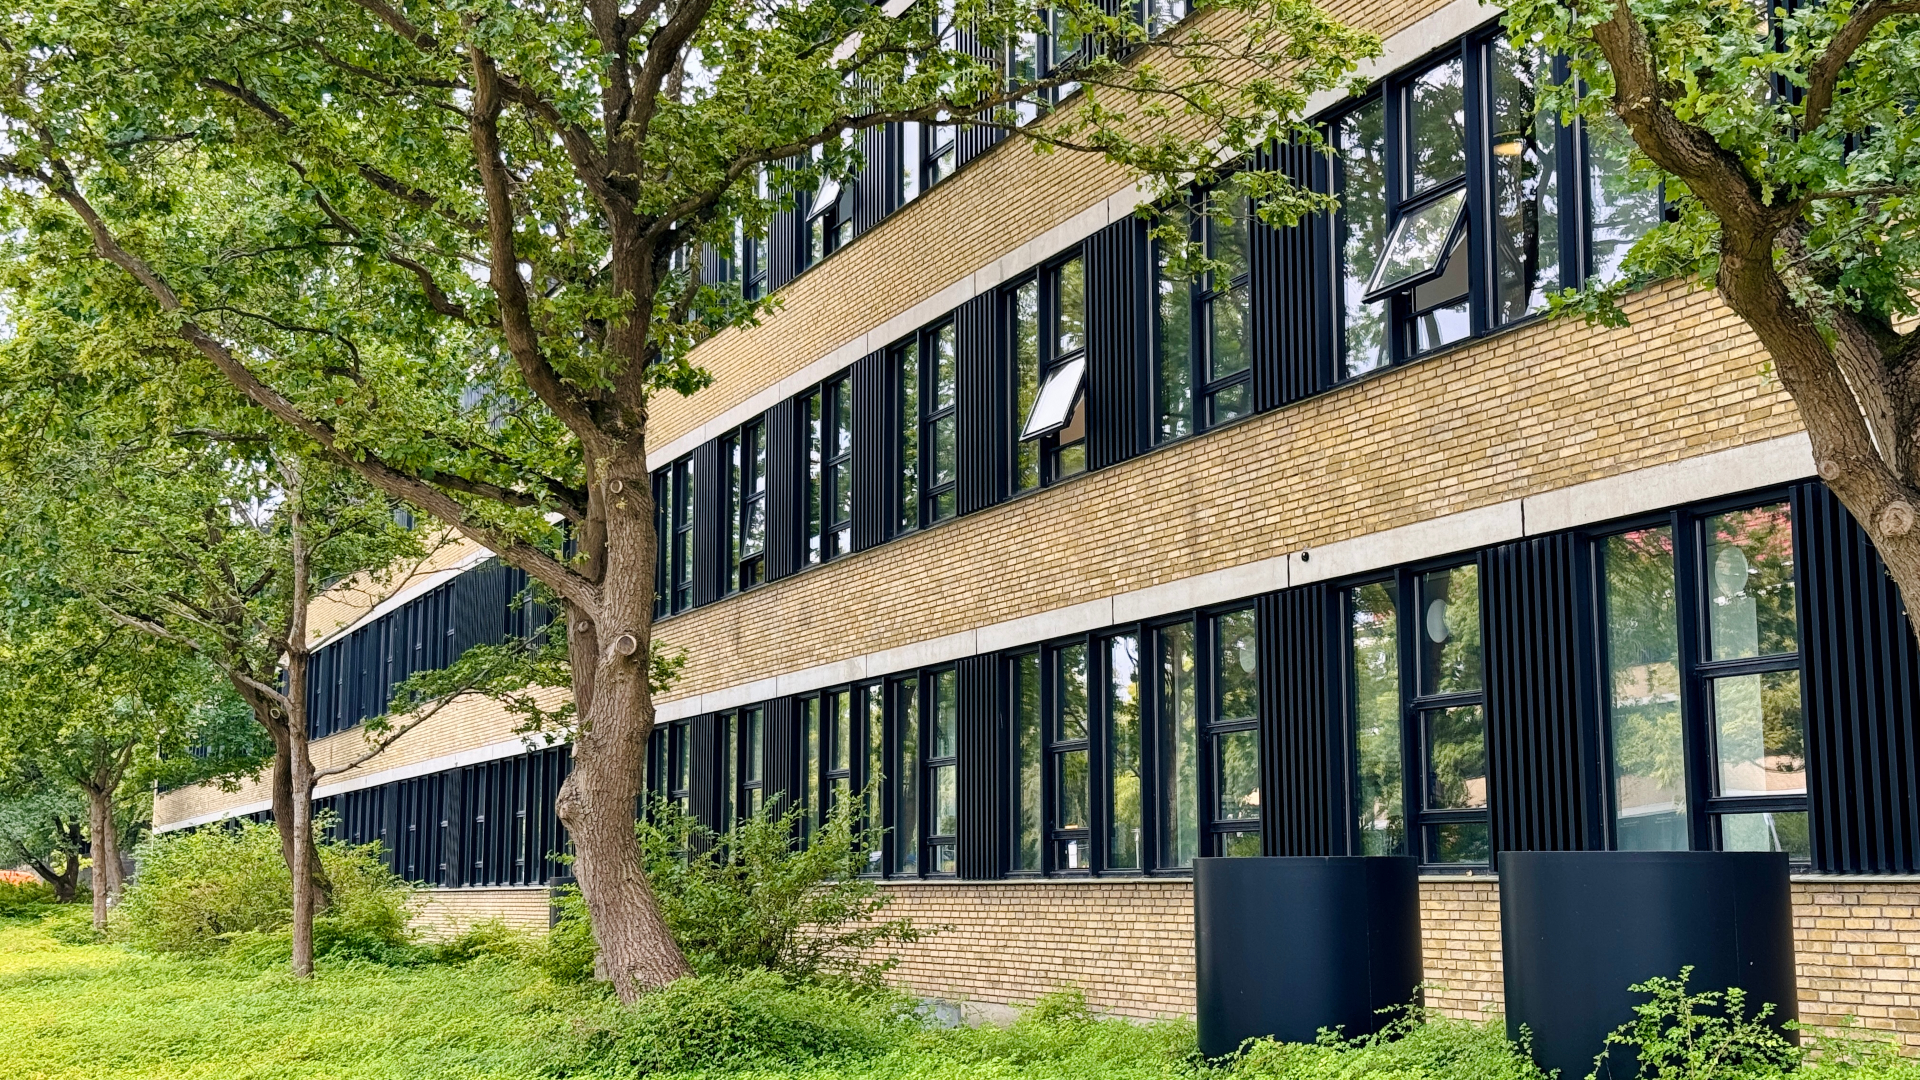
(1090, 570)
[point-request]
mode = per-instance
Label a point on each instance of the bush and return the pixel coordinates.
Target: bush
(757, 899)
(205, 891)
(718, 1023)
(568, 954)
(23, 894)
(1677, 1035)
(1416, 1044)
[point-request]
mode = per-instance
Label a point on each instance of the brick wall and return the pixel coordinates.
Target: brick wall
(1129, 944)
(442, 913)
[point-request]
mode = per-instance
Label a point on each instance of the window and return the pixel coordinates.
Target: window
(942, 771)
(844, 731)
(912, 150)
(1020, 316)
(753, 251)
(1028, 805)
(926, 372)
(1126, 754)
(1038, 54)
(1069, 747)
(727, 728)
(1206, 699)
(1160, 15)
(1706, 729)
(906, 832)
(829, 220)
(827, 431)
(1454, 190)
(1419, 744)
(670, 769)
(940, 153)
(1203, 325)
(749, 764)
(673, 532)
(1056, 422)
(746, 455)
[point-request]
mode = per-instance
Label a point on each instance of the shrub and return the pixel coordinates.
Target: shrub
(203, 891)
(1677, 1035)
(1415, 1044)
(568, 954)
(23, 894)
(756, 898)
(718, 1023)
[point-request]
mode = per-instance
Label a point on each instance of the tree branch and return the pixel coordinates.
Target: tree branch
(1824, 74)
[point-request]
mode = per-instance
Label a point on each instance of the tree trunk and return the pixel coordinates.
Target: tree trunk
(608, 656)
(284, 816)
(104, 841)
(67, 882)
(304, 857)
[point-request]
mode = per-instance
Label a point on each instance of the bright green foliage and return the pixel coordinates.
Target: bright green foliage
(1740, 73)
(757, 899)
(23, 895)
(207, 890)
(1710, 1035)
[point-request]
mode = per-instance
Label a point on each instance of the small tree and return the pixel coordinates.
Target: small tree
(41, 825)
(452, 245)
(1783, 136)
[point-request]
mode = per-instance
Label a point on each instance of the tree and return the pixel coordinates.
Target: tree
(1783, 137)
(169, 508)
(85, 708)
(40, 825)
(451, 244)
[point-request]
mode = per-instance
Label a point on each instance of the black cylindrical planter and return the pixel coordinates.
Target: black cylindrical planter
(1286, 946)
(1579, 927)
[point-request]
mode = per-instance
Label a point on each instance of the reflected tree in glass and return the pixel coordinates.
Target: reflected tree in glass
(1178, 702)
(1643, 665)
(1375, 682)
(1125, 748)
(1025, 320)
(1026, 724)
(1362, 168)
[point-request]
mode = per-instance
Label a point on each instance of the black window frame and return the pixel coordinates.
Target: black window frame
(744, 455)
(1420, 821)
(1201, 294)
(1061, 458)
(826, 228)
(1573, 167)
(1705, 810)
(1023, 455)
(673, 494)
(826, 480)
(939, 850)
(1218, 833)
(938, 425)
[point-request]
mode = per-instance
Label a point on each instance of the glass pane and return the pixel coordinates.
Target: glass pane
(1069, 308)
(1643, 665)
(1441, 326)
(1767, 832)
(1178, 702)
(912, 150)
(1456, 744)
(1228, 324)
(811, 784)
(1750, 583)
(1026, 379)
(946, 802)
(944, 452)
(1229, 403)
(1759, 734)
(1450, 631)
(908, 368)
(1072, 662)
(1228, 242)
(1073, 855)
(1376, 717)
(944, 365)
(1236, 667)
(943, 859)
(876, 778)
(1240, 845)
(946, 714)
(752, 743)
(729, 770)
(1457, 842)
(682, 774)
(906, 810)
(1363, 220)
(1074, 810)
(1238, 776)
(1525, 172)
(1419, 240)
(1174, 358)
(841, 717)
(1623, 207)
(1436, 127)
(1126, 750)
(1026, 744)
(1053, 408)
(814, 431)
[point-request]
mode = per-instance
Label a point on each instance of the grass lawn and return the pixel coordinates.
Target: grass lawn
(98, 1011)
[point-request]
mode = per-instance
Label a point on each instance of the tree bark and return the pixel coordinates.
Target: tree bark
(104, 841)
(615, 701)
(282, 786)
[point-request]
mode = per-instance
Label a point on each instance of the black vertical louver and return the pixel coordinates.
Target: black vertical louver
(983, 767)
(982, 438)
(1862, 682)
(786, 489)
(1290, 359)
(873, 187)
(712, 554)
(1119, 386)
(872, 453)
(1542, 734)
(703, 759)
(452, 851)
(1301, 755)
(782, 771)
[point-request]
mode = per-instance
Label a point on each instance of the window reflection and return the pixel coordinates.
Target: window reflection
(1750, 566)
(1643, 663)
(1178, 703)
(1375, 681)
(1125, 751)
(1361, 161)
(1436, 104)
(1525, 177)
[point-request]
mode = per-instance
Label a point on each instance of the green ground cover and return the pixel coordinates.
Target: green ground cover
(72, 1008)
